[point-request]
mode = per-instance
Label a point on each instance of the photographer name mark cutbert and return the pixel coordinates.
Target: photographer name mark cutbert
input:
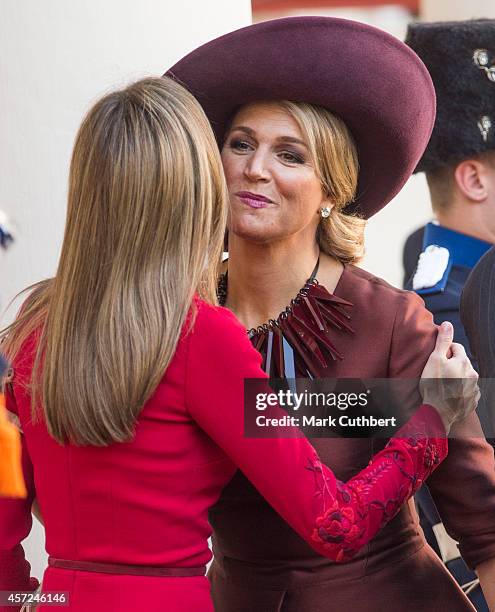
(313, 421)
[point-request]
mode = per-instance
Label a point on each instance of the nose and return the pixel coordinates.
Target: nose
(256, 168)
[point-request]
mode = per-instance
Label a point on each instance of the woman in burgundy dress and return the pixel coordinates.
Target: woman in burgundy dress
(303, 177)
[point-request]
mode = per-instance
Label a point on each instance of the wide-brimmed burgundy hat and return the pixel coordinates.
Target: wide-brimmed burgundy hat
(374, 82)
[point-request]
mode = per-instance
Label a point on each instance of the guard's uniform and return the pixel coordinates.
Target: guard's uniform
(442, 268)
(460, 57)
(441, 272)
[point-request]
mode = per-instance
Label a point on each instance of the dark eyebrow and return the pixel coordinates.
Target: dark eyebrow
(292, 139)
(251, 132)
(242, 128)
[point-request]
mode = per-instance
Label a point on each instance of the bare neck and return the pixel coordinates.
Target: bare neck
(263, 278)
(467, 220)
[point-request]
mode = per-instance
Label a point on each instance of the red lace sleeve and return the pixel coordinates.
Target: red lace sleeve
(357, 510)
(335, 518)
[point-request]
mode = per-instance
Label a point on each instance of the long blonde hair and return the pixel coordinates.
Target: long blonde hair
(335, 156)
(145, 223)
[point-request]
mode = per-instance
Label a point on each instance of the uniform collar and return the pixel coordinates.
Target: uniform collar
(464, 250)
(442, 250)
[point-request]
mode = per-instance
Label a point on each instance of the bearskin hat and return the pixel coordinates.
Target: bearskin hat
(460, 56)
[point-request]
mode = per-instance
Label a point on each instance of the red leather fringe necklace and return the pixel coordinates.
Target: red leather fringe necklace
(298, 344)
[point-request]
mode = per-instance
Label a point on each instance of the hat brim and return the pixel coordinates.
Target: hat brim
(375, 83)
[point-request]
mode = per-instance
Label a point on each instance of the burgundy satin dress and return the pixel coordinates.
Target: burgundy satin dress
(262, 565)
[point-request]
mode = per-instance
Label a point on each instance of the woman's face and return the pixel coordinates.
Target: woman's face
(273, 188)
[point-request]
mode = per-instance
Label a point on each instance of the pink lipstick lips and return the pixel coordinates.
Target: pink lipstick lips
(254, 200)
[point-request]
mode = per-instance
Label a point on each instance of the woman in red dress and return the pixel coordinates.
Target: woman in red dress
(303, 178)
(128, 382)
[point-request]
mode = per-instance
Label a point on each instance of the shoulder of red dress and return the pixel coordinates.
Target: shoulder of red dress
(213, 317)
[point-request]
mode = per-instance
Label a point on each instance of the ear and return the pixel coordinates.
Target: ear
(472, 180)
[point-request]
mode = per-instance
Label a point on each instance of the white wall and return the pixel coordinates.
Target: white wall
(56, 58)
(387, 230)
(448, 10)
